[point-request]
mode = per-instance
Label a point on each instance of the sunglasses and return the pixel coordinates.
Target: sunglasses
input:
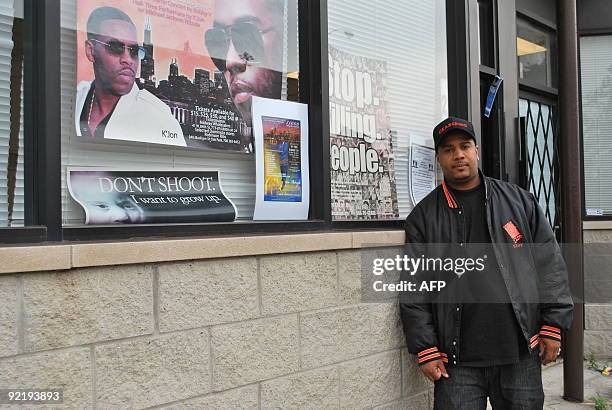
(117, 48)
(246, 37)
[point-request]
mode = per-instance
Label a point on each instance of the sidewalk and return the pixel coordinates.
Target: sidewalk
(594, 383)
(552, 379)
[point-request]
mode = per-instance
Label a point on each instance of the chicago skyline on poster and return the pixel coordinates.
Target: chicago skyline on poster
(174, 91)
(206, 91)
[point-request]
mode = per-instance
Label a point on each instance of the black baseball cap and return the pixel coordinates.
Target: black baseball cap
(449, 125)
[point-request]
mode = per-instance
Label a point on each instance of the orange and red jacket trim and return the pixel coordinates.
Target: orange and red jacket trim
(533, 342)
(449, 197)
(431, 354)
(546, 332)
(550, 332)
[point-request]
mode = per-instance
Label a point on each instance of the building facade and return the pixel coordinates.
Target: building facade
(268, 312)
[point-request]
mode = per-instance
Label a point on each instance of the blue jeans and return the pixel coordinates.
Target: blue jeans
(512, 386)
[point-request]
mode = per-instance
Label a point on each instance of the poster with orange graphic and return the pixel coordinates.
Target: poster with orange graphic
(281, 160)
(177, 72)
(282, 170)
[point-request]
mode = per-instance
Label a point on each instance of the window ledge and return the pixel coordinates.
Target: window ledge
(595, 225)
(60, 257)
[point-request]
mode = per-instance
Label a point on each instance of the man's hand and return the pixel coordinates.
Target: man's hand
(549, 350)
(434, 370)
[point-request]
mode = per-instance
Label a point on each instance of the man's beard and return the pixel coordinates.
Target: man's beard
(272, 89)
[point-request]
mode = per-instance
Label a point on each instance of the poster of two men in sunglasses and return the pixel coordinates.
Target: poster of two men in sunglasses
(177, 72)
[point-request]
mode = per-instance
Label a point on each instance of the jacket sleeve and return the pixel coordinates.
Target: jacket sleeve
(556, 305)
(416, 315)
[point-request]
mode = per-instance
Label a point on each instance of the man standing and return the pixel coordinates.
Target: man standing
(246, 45)
(283, 156)
(489, 332)
(112, 106)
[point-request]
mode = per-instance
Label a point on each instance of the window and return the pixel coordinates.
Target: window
(596, 69)
(388, 89)
(537, 52)
(175, 61)
(11, 114)
(539, 144)
(181, 65)
(486, 33)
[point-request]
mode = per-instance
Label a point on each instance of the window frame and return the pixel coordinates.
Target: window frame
(543, 94)
(551, 27)
(42, 138)
(581, 34)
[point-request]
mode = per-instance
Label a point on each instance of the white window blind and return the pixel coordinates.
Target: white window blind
(6, 48)
(8, 13)
(596, 65)
(410, 35)
(237, 171)
(18, 214)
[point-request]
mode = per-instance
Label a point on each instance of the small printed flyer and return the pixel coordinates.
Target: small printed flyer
(280, 129)
(422, 172)
(283, 174)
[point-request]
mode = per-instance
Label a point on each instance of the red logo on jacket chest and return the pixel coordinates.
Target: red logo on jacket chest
(513, 232)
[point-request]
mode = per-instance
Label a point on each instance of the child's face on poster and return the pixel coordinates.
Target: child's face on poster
(263, 77)
(105, 208)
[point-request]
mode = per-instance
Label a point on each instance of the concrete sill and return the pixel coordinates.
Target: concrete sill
(60, 257)
(595, 225)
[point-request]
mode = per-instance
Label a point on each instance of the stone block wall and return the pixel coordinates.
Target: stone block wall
(274, 331)
(598, 293)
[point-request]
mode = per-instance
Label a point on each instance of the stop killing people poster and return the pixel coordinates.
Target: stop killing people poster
(160, 71)
(361, 144)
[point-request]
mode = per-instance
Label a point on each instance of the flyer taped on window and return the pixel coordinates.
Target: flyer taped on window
(280, 129)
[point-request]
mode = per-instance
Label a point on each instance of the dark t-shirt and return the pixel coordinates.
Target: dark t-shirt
(84, 118)
(490, 334)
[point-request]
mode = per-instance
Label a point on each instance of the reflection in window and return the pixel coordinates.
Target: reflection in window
(486, 35)
(537, 53)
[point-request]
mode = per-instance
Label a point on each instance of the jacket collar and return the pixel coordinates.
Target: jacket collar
(452, 201)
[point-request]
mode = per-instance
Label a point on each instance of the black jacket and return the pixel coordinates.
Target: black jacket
(535, 275)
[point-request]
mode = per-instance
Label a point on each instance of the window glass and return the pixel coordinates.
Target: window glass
(486, 34)
(388, 89)
(596, 80)
(540, 158)
(167, 87)
(536, 54)
(11, 114)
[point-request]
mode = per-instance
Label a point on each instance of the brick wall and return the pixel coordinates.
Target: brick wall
(254, 332)
(598, 294)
